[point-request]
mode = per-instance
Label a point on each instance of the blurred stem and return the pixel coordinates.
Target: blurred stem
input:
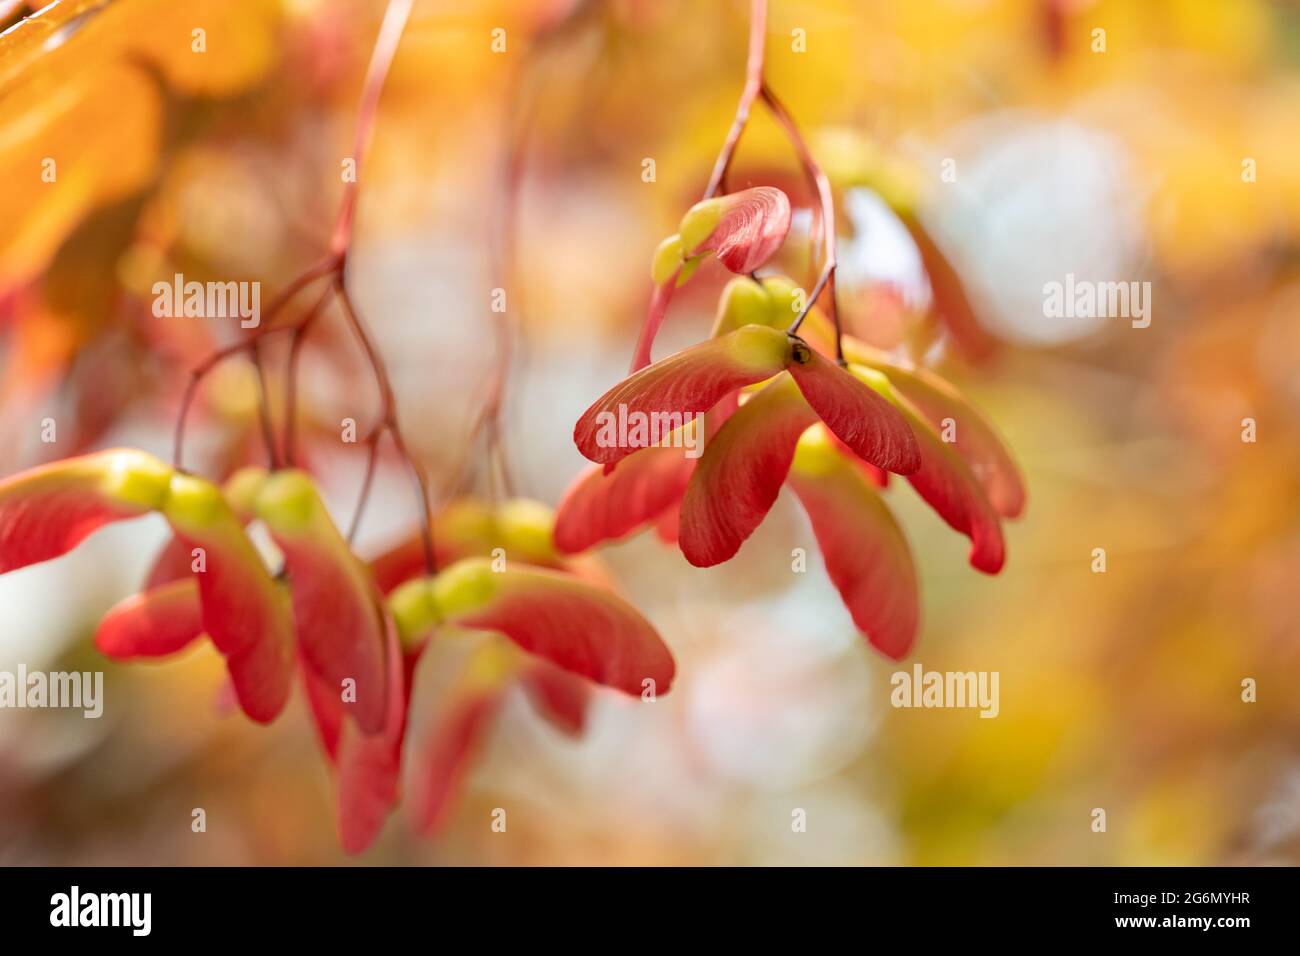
(822, 187)
(503, 259)
(381, 60)
(266, 327)
(334, 266)
(502, 268)
(387, 423)
(291, 382)
(662, 294)
(753, 86)
(264, 404)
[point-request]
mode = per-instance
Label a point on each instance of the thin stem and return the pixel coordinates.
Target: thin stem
(266, 327)
(502, 252)
(753, 86)
(422, 498)
(327, 266)
(335, 266)
(502, 266)
(387, 409)
(197, 374)
(663, 292)
(291, 380)
(381, 60)
(822, 280)
(363, 497)
(387, 423)
(264, 404)
(821, 185)
(187, 399)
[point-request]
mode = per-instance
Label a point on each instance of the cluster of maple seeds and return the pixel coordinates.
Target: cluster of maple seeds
(779, 408)
(787, 399)
(326, 618)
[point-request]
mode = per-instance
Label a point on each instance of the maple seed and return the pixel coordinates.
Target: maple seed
(800, 353)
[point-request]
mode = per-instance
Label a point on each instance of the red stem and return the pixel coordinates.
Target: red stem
(821, 185)
(753, 86)
(381, 60)
(372, 456)
(387, 423)
(291, 382)
(661, 296)
(266, 327)
(264, 404)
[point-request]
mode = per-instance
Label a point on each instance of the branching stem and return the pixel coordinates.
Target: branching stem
(756, 87)
(333, 266)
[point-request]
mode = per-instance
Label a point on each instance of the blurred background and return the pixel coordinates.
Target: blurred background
(1171, 155)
